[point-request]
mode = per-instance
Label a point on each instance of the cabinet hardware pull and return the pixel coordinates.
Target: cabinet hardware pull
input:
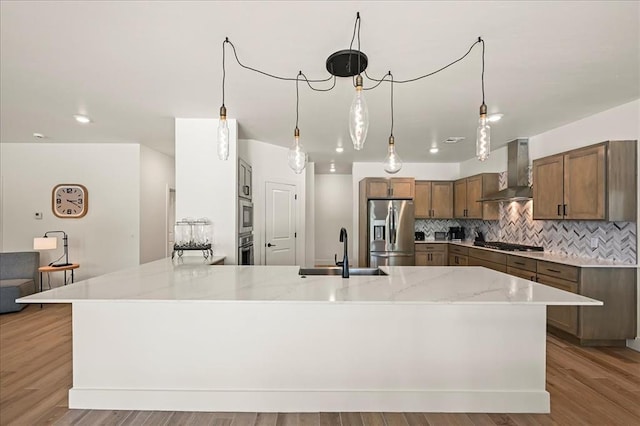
(271, 245)
(519, 263)
(554, 270)
(564, 210)
(559, 206)
(533, 278)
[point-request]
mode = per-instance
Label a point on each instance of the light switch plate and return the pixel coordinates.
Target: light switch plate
(594, 243)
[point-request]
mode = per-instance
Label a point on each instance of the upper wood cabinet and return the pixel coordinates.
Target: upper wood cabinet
(389, 188)
(597, 182)
(469, 190)
(433, 200)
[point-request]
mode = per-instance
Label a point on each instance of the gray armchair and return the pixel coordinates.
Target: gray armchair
(18, 277)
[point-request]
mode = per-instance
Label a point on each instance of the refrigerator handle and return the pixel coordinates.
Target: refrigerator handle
(392, 225)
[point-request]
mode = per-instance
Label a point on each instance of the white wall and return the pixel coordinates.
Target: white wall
(206, 187)
(108, 237)
(310, 217)
(496, 163)
(269, 164)
(157, 172)
(419, 171)
(334, 210)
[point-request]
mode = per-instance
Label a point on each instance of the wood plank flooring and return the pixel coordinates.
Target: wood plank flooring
(588, 386)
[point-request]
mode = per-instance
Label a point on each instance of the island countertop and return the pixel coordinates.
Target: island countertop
(165, 280)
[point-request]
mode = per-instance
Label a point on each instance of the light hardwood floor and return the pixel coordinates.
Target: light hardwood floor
(587, 386)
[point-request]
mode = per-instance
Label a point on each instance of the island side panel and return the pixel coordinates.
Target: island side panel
(301, 357)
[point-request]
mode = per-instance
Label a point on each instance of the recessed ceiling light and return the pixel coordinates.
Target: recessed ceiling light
(454, 139)
(38, 136)
(495, 117)
(83, 119)
(434, 150)
(339, 149)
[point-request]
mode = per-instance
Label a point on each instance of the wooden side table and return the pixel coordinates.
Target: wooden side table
(49, 269)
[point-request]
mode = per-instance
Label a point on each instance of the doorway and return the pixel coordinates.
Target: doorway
(280, 224)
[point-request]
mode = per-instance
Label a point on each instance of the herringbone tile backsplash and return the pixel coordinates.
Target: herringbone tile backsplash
(616, 240)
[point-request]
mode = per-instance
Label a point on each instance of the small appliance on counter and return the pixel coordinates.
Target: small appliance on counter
(419, 236)
(440, 236)
(456, 233)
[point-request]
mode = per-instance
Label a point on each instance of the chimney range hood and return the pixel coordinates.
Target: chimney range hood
(518, 188)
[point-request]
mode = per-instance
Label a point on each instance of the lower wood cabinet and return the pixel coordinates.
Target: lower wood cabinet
(431, 254)
(522, 273)
(474, 261)
(563, 317)
(458, 260)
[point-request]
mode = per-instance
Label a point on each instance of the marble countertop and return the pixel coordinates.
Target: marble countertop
(164, 280)
(583, 262)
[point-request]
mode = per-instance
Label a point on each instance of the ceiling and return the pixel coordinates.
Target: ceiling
(135, 66)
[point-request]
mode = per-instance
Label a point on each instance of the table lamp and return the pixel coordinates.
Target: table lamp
(46, 243)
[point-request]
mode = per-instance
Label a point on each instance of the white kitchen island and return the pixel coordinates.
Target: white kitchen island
(194, 337)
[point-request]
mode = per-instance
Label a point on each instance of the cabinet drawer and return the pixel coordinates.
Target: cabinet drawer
(557, 270)
(521, 263)
(565, 285)
(521, 273)
(458, 249)
(490, 256)
(431, 247)
(458, 260)
(485, 263)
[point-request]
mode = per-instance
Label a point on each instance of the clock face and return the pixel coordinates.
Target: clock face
(70, 201)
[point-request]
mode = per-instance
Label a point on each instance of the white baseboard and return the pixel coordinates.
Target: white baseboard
(634, 344)
(297, 401)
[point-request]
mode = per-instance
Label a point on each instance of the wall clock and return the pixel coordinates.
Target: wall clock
(70, 200)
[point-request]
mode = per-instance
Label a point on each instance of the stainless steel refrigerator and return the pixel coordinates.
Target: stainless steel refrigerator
(391, 233)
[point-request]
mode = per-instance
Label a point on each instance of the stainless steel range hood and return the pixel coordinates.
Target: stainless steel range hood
(518, 188)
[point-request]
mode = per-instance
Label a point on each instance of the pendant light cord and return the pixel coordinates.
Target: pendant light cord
(224, 73)
(297, 99)
(480, 40)
(391, 75)
(436, 71)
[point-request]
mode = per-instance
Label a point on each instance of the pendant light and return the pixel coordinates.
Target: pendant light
(359, 112)
(297, 157)
(483, 134)
(358, 117)
(392, 163)
(223, 126)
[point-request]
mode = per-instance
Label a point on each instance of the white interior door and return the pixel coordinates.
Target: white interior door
(280, 232)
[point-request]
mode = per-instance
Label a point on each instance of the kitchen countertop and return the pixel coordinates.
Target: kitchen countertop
(564, 259)
(164, 280)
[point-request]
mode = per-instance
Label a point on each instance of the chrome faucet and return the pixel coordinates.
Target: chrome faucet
(345, 257)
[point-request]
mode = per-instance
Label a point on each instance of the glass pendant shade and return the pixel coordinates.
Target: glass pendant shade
(393, 163)
(297, 156)
(483, 135)
(358, 117)
(223, 135)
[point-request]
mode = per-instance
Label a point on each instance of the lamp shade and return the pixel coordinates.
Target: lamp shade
(45, 243)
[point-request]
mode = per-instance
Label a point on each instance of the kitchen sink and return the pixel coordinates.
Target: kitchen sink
(331, 270)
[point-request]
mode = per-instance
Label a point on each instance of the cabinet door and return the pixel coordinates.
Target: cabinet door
(421, 258)
(441, 199)
(457, 260)
(562, 317)
(437, 259)
(584, 183)
(402, 188)
(460, 198)
(377, 188)
(474, 193)
(548, 187)
(422, 201)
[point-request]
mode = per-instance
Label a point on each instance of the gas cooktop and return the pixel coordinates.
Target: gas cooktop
(498, 245)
